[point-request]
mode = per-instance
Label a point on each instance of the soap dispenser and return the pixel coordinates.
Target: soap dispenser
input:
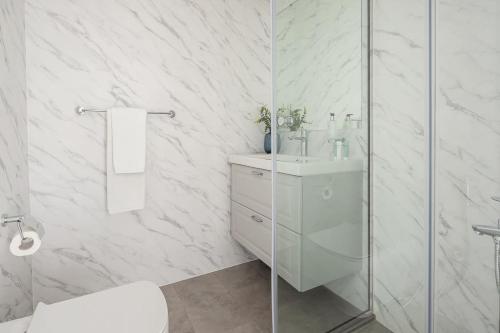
(332, 132)
(348, 123)
(331, 127)
(339, 149)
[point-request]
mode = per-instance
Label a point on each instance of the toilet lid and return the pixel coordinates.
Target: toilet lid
(136, 307)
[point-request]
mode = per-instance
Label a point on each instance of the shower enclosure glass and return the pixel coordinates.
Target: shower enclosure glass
(429, 128)
(321, 179)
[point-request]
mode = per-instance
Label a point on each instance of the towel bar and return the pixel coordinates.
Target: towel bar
(83, 110)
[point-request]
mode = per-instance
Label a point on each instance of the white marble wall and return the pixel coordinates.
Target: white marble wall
(209, 61)
(214, 71)
(399, 109)
(15, 273)
(468, 163)
(468, 160)
(319, 65)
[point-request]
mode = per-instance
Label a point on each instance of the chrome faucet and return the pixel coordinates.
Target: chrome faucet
(487, 230)
(304, 141)
(494, 232)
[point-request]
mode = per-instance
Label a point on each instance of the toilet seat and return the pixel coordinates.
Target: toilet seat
(15, 326)
(132, 308)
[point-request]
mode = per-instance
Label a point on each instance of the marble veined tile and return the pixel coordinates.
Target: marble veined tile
(207, 60)
(319, 65)
(15, 272)
(399, 170)
(468, 160)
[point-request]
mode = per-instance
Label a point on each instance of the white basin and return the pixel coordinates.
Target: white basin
(297, 166)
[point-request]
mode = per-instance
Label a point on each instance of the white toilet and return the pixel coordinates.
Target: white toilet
(133, 308)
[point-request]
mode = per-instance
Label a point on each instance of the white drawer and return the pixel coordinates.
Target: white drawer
(254, 232)
(252, 188)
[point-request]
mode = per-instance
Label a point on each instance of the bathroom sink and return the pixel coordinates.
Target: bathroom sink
(297, 165)
(287, 158)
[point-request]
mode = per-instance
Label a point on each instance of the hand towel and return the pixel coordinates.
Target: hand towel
(125, 191)
(129, 139)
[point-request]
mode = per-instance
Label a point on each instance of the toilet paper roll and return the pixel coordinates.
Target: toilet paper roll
(15, 244)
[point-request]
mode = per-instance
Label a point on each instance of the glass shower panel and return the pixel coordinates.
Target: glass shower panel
(322, 189)
(467, 165)
(400, 172)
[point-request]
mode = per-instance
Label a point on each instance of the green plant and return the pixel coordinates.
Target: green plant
(297, 117)
(292, 118)
(265, 118)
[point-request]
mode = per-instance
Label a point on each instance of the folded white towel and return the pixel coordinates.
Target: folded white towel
(125, 191)
(129, 139)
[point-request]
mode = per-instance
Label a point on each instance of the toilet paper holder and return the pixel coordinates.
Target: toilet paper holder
(5, 219)
(12, 219)
(22, 244)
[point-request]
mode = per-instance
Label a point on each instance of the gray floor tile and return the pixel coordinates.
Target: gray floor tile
(241, 275)
(246, 328)
(209, 305)
(178, 320)
(205, 290)
(373, 327)
(238, 300)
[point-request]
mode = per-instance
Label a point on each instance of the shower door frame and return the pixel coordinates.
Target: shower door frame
(431, 165)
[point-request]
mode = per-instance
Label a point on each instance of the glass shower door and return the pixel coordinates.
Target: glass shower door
(321, 182)
(440, 153)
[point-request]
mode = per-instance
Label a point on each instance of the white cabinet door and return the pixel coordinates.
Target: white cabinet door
(289, 202)
(289, 250)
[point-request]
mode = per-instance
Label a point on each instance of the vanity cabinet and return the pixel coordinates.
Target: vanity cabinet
(319, 230)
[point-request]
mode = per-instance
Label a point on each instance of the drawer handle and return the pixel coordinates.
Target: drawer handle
(257, 219)
(257, 173)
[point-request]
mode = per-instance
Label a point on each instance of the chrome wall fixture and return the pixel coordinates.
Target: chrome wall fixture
(12, 219)
(494, 232)
(83, 110)
(26, 242)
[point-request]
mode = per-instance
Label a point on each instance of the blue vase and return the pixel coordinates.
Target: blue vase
(268, 143)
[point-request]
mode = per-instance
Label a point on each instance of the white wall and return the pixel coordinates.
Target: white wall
(15, 273)
(399, 108)
(319, 65)
(209, 61)
(215, 71)
(468, 160)
(468, 163)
